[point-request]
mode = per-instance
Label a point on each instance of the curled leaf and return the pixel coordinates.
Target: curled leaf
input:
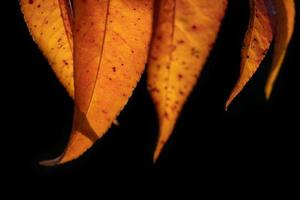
(256, 43)
(111, 40)
(285, 20)
(184, 35)
(49, 23)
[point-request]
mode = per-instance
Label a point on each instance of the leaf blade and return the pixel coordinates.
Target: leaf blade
(184, 36)
(111, 40)
(257, 41)
(285, 20)
(49, 24)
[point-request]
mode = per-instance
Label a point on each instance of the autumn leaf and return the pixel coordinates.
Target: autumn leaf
(49, 23)
(184, 35)
(285, 20)
(256, 43)
(98, 50)
(111, 40)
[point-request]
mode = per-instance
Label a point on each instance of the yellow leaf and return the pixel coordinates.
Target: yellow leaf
(50, 26)
(256, 43)
(285, 20)
(184, 35)
(111, 39)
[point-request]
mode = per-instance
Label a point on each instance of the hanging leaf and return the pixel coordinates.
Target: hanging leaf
(285, 20)
(256, 43)
(184, 35)
(111, 40)
(49, 23)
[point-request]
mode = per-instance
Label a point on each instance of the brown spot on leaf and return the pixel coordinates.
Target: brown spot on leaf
(166, 115)
(65, 62)
(180, 76)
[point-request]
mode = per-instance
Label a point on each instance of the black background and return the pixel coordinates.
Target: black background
(253, 142)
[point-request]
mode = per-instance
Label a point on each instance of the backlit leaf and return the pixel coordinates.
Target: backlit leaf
(49, 23)
(184, 35)
(256, 43)
(285, 20)
(111, 39)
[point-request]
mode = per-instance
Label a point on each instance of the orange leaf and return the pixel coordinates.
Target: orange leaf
(111, 40)
(285, 20)
(184, 35)
(256, 43)
(50, 26)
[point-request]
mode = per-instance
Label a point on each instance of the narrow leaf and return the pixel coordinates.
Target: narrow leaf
(184, 35)
(256, 43)
(111, 39)
(49, 23)
(285, 20)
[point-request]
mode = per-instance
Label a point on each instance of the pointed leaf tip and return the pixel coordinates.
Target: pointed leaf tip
(51, 162)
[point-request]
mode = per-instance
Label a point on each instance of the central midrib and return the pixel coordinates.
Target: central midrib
(170, 57)
(101, 56)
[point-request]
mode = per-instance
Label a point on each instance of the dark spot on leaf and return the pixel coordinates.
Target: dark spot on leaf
(153, 58)
(166, 115)
(174, 107)
(65, 62)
